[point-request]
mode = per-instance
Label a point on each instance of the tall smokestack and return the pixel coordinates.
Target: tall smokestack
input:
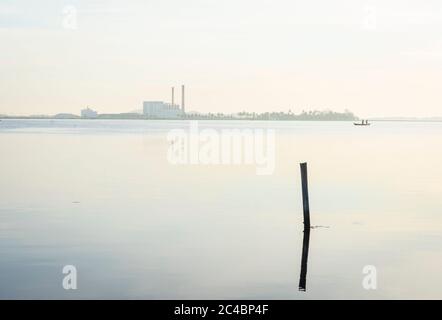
(173, 96)
(182, 99)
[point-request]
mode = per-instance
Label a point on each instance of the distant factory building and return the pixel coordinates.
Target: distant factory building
(88, 113)
(160, 109)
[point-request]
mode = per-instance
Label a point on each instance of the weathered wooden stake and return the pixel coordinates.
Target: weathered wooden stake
(305, 195)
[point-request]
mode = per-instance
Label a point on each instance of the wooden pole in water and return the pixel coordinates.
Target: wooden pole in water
(305, 195)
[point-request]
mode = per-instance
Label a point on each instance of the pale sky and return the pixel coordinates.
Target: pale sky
(376, 58)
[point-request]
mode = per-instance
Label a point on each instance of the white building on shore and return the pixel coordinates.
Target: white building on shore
(89, 113)
(160, 109)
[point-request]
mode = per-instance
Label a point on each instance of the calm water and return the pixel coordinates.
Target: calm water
(102, 196)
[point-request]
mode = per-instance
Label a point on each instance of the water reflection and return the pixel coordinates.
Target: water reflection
(128, 240)
(304, 259)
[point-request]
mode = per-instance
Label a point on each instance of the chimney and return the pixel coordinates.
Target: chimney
(173, 96)
(182, 99)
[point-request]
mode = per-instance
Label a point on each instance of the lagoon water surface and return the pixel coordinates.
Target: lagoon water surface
(101, 195)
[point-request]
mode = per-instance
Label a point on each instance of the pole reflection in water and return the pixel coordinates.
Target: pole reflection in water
(305, 244)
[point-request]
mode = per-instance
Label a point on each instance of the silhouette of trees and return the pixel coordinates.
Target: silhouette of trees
(312, 115)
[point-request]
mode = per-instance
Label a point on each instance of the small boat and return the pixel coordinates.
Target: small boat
(363, 123)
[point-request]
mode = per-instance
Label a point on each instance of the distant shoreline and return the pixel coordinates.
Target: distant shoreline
(326, 115)
(170, 119)
(215, 119)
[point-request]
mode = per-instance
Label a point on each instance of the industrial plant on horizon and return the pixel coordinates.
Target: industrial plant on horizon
(151, 110)
(160, 109)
